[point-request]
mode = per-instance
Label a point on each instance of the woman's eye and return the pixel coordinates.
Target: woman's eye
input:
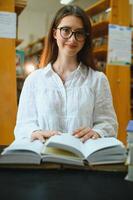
(66, 30)
(80, 33)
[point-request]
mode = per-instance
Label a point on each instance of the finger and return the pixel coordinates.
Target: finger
(83, 132)
(54, 133)
(37, 136)
(85, 137)
(78, 130)
(91, 134)
(34, 136)
(41, 138)
(48, 134)
(95, 136)
(59, 133)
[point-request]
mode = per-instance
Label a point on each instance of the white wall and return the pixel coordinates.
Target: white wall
(31, 26)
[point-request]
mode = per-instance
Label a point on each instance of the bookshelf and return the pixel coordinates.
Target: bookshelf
(8, 100)
(35, 48)
(7, 82)
(132, 97)
(103, 13)
(20, 5)
(18, 42)
(32, 55)
(131, 88)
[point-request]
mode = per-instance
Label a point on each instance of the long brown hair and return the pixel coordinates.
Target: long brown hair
(50, 51)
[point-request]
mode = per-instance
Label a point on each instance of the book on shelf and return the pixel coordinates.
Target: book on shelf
(65, 149)
(130, 133)
(130, 126)
(129, 160)
(129, 176)
(130, 172)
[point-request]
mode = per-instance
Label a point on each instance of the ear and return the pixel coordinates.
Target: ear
(54, 33)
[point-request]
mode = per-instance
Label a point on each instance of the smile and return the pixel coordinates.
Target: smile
(71, 46)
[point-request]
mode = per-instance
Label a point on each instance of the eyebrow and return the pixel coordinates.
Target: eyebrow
(80, 28)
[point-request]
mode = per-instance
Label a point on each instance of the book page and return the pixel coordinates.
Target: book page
(58, 152)
(53, 154)
(67, 142)
(24, 144)
(90, 146)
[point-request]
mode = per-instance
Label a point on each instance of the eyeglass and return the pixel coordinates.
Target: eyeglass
(66, 33)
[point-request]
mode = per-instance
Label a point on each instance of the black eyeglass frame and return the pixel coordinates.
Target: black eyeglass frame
(72, 33)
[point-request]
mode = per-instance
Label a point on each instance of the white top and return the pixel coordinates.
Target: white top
(83, 100)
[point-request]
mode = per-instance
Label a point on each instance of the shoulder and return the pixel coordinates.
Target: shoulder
(96, 78)
(97, 75)
(100, 83)
(36, 76)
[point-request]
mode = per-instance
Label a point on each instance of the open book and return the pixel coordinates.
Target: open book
(66, 149)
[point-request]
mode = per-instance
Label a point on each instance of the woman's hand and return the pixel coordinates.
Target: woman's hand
(85, 133)
(42, 135)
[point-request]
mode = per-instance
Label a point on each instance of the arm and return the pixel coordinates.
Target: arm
(27, 117)
(27, 113)
(104, 118)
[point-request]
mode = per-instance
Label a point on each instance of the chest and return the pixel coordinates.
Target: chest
(64, 101)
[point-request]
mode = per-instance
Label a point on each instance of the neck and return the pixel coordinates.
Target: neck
(63, 65)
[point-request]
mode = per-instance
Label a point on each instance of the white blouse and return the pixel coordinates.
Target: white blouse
(83, 100)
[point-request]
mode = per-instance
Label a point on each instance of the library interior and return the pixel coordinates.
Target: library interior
(24, 26)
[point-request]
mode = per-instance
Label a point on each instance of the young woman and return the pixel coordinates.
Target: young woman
(67, 94)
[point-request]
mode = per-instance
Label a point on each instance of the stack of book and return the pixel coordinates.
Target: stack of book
(130, 150)
(65, 149)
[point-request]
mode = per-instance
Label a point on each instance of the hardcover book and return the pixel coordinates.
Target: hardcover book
(65, 149)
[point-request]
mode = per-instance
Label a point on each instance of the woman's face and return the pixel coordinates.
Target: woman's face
(70, 44)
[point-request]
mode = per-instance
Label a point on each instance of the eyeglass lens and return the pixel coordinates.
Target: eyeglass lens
(67, 32)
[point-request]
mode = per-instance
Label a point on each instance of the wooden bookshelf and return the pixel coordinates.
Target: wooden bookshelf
(131, 88)
(20, 5)
(100, 52)
(18, 42)
(100, 29)
(119, 76)
(35, 48)
(98, 7)
(8, 99)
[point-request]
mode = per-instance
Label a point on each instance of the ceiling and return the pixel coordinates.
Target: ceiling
(51, 6)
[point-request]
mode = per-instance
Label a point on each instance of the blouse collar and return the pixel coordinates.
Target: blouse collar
(82, 69)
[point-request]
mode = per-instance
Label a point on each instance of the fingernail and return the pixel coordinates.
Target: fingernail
(76, 135)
